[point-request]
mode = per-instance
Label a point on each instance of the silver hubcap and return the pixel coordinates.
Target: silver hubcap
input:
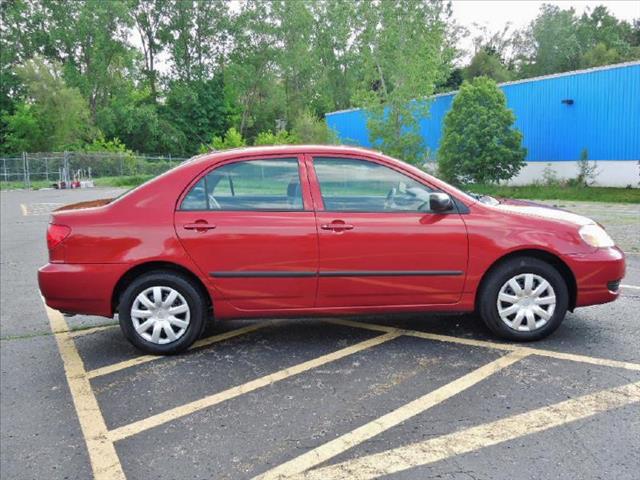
(160, 315)
(526, 302)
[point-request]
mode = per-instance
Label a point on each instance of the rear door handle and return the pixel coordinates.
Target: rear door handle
(199, 226)
(336, 227)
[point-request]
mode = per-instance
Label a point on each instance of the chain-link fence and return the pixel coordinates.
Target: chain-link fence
(35, 170)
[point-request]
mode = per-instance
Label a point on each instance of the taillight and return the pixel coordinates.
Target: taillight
(56, 234)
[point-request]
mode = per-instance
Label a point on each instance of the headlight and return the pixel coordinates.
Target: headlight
(595, 236)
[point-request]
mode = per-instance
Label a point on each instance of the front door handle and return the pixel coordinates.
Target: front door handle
(336, 226)
(199, 226)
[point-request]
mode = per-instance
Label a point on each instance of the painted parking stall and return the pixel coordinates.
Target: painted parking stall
(430, 368)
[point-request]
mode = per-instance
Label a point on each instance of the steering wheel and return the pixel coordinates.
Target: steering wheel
(213, 202)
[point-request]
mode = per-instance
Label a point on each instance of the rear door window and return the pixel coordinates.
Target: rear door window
(272, 184)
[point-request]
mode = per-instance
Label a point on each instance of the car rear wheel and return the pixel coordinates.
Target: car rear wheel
(162, 312)
(523, 299)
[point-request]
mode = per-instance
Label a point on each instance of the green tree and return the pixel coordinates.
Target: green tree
(134, 118)
(297, 57)
(23, 131)
(89, 38)
(23, 33)
(404, 56)
(551, 42)
(493, 54)
(558, 41)
(487, 63)
(54, 117)
(197, 109)
(151, 17)
(197, 37)
(252, 74)
(600, 55)
(604, 39)
(479, 142)
(336, 56)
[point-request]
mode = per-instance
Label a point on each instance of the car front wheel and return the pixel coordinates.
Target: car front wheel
(162, 313)
(523, 299)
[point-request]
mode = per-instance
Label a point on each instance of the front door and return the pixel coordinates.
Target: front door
(250, 228)
(378, 242)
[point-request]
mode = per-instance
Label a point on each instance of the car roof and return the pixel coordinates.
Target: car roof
(282, 149)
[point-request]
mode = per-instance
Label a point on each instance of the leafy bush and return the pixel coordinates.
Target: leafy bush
(308, 129)
(231, 139)
(281, 138)
(479, 143)
(587, 172)
(101, 145)
(550, 177)
(115, 158)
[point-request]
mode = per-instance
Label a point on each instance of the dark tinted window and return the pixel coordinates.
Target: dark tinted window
(364, 186)
(251, 185)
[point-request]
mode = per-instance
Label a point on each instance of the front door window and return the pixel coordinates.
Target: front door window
(351, 185)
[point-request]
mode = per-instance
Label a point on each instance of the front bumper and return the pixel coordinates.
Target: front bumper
(80, 288)
(596, 274)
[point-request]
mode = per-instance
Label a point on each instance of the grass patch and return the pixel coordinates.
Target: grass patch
(543, 192)
(126, 181)
(20, 185)
(130, 181)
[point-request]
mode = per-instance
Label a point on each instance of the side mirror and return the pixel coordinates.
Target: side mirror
(440, 202)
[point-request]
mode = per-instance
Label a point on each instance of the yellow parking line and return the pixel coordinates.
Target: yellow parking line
(475, 438)
(89, 331)
(499, 346)
(605, 362)
(365, 432)
(102, 454)
(24, 209)
(429, 336)
(98, 372)
(366, 326)
(183, 410)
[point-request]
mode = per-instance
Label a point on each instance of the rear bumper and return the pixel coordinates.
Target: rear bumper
(80, 288)
(596, 273)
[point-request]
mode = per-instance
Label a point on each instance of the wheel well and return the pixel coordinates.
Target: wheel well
(143, 268)
(551, 259)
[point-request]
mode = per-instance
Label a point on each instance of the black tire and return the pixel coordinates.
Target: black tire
(493, 282)
(193, 295)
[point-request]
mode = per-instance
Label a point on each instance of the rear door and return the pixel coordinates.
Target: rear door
(250, 227)
(379, 243)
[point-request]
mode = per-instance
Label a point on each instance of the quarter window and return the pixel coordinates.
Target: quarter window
(249, 185)
(350, 185)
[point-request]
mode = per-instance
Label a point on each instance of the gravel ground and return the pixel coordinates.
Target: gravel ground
(622, 220)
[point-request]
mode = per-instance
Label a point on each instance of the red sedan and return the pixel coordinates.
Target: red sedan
(315, 230)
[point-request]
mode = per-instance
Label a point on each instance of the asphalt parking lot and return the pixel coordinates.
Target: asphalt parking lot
(404, 397)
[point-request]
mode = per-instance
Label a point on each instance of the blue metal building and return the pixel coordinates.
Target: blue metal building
(559, 116)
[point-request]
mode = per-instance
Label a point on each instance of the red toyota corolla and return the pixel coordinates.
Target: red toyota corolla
(313, 230)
